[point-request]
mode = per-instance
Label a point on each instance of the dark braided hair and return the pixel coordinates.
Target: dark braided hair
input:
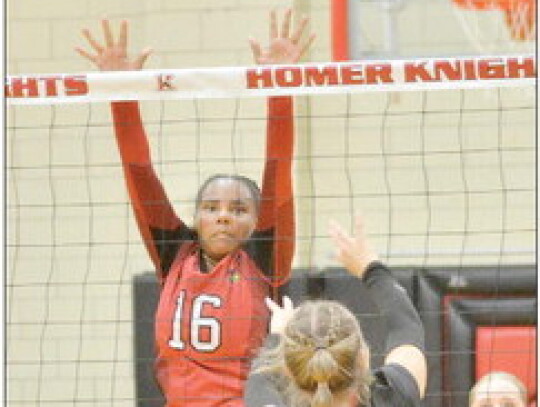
(248, 182)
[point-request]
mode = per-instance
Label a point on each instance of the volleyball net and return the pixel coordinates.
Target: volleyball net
(438, 154)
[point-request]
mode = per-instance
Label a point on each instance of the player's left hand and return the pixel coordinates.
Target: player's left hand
(284, 47)
(280, 316)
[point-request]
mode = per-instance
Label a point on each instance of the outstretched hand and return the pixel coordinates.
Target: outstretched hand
(284, 47)
(354, 253)
(280, 316)
(112, 55)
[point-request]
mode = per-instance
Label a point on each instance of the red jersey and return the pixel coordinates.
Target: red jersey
(209, 323)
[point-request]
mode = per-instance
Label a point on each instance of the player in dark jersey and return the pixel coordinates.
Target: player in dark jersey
(211, 315)
(316, 354)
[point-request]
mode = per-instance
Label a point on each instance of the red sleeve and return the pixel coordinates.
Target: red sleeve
(151, 206)
(277, 206)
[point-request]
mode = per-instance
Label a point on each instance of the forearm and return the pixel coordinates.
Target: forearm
(146, 191)
(277, 177)
(280, 128)
(403, 322)
(277, 205)
(130, 134)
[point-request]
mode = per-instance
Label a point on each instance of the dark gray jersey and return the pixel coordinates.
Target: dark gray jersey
(393, 387)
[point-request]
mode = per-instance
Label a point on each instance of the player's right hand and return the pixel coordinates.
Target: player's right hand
(112, 54)
(355, 253)
(280, 316)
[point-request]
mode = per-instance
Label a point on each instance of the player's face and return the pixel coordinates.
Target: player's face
(225, 217)
(498, 393)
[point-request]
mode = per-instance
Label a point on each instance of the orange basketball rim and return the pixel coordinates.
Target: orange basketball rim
(520, 15)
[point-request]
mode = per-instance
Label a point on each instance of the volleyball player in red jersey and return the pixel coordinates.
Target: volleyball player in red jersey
(214, 277)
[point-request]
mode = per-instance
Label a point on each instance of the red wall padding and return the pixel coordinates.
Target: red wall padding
(510, 349)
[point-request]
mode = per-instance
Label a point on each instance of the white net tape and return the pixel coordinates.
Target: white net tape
(394, 75)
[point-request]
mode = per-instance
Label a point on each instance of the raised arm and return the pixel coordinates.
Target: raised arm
(153, 211)
(277, 206)
(405, 340)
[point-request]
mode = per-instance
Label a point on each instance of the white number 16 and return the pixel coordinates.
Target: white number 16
(198, 322)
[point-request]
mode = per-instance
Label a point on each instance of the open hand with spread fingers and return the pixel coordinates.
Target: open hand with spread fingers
(354, 253)
(112, 55)
(284, 46)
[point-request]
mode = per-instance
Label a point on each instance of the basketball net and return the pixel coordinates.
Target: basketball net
(482, 20)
